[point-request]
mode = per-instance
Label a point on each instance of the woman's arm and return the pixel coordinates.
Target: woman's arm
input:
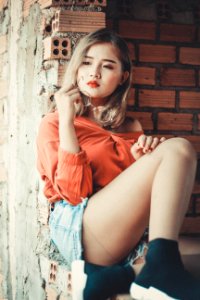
(63, 165)
(66, 101)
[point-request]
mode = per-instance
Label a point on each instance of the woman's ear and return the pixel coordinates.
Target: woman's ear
(125, 76)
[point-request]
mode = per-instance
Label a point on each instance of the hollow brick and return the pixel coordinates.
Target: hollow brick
(57, 48)
(156, 98)
(137, 29)
(177, 77)
(53, 269)
(175, 121)
(78, 21)
(48, 3)
(144, 75)
(189, 99)
(145, 118)
(157, 53)
(190, 56)
(177, 33)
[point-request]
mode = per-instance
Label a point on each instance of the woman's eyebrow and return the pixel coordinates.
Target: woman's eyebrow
(106, 59)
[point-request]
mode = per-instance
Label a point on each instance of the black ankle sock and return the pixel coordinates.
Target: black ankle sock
(164, 270)
(108, 281)
(90, 268)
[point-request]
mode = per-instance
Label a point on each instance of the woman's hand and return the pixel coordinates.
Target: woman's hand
(145, 144)
(66, 99)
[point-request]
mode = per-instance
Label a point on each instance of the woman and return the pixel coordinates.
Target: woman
(109, 181)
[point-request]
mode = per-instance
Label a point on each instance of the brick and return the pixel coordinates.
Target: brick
(189, 99)
(163, 9)
(131, 48)
(177, 33)
(145, 118)
(46, 27)
(196, 189)
(137, 29)
(177, 77)
(198, 122)
(3, 89)
(190, 56)
(197, 206)
(144, 75)
(175, 121)
(131, 97)
(157, 53)
(199, 77)
(3, 44)
(157, 98)
(78, 21)
(57, 48)
(51, 293)
(53, 268)
(3, 4)
(48, 3)
(191, 225)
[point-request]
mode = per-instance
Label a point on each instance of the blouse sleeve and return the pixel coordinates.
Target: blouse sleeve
(70, 174)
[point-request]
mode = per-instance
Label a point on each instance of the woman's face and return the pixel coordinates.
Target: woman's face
(100, 72)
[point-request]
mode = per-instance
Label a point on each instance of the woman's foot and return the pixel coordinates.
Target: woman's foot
(93, 282)
(164, 271)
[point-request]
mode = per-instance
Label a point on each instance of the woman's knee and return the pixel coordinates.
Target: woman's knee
(180, 147)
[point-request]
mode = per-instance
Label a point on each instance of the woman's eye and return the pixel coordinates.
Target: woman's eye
(108, 67)
(86, 63)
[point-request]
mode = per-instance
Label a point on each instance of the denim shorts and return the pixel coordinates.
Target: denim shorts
(65, 224)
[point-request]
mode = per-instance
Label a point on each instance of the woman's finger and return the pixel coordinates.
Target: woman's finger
(155, 143)
(162, 139)
(141, 141)
(148, 143)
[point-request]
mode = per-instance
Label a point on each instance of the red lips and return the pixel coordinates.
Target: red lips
(93, 84)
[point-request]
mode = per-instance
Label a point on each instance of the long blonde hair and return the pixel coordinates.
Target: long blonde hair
(112, 114)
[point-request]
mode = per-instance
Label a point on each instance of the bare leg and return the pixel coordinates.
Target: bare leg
(190, 251)
(158, 186)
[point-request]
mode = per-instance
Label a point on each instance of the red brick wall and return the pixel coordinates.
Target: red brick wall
(165, 93)
(166, 59)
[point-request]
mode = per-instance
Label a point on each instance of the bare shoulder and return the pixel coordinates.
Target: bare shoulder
(131, 125)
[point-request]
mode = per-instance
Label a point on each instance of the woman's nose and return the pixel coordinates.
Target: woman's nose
(95, 72)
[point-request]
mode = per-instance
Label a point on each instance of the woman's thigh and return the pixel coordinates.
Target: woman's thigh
(117, 215)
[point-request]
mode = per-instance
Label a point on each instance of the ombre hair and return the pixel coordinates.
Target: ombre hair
(112, 114)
